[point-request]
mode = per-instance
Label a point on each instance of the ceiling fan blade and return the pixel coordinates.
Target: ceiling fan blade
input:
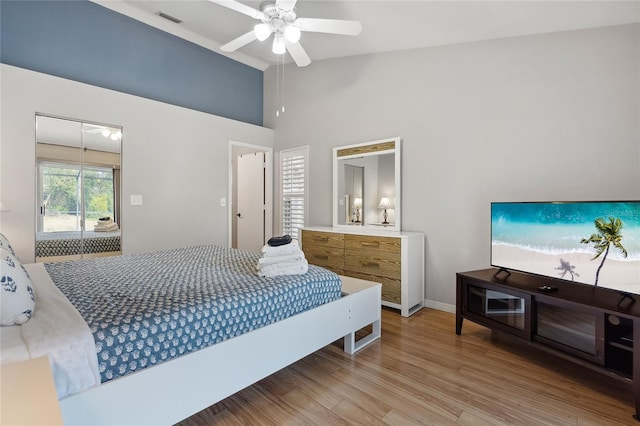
(239, 42)
(298, 54)
(286, 4)
(331, 26)
(239, 7)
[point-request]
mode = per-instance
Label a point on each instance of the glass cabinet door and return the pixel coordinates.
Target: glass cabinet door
(497, 306)
(573, 330)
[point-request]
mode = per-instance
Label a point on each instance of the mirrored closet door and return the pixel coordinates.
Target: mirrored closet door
(78, 189)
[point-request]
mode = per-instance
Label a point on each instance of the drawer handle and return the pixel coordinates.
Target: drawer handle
(319, 256)
(371, 264)
(367, 244)
(321, 239)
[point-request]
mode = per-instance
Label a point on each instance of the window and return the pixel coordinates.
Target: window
(62, 195)
(294, 188)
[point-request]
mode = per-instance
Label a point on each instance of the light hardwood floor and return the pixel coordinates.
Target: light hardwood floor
(421, 372)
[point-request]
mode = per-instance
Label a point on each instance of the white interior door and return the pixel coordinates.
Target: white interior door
(250, 211)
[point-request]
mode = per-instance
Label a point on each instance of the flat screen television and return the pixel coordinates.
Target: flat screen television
(592, 242)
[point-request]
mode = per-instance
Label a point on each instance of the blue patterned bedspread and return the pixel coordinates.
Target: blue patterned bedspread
(147, 308)
(69, 243)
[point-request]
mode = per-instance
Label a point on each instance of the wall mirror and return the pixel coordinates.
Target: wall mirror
(366, 185)
(77, 189)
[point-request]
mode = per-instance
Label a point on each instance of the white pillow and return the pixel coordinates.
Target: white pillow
(4, 243)
(16, 291)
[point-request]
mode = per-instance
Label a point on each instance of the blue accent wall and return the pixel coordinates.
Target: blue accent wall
(83, 41)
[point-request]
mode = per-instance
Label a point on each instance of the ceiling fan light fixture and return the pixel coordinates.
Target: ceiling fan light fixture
(278, 45)
(292, 33)
(278, 17)
(116, 136)
(262, 31)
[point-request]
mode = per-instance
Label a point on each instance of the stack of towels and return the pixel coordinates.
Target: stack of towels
(282, 256)
(105, 224)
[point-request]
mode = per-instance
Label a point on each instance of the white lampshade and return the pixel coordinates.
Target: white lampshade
(278, 45)
(385, 203)
(357, 202)
(3, 208)
(262, 31)
(292, 34)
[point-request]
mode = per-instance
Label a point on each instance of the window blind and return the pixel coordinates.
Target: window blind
(293, 192)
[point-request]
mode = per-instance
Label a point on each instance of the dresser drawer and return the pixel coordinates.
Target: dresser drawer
(322, 239)
(372, 243)
(374, 263)
(328, 257)
(390, 287)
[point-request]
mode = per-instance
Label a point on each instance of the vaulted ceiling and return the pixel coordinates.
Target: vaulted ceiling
(387, 25)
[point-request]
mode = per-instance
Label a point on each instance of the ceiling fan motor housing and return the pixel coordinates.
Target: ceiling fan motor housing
(277, 17)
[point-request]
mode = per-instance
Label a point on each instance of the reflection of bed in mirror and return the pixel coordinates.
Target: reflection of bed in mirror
(72, 245)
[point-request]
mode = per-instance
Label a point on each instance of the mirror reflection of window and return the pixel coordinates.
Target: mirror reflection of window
(61, 204)
(62, 185)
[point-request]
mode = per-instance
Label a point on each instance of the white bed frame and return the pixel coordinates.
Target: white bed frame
(176, 389)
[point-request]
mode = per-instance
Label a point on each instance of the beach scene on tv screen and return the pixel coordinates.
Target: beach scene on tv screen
(595, 243)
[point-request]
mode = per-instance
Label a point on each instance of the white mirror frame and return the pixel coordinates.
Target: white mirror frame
(369, 149)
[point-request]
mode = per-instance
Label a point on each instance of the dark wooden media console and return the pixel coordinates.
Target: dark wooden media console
(595, 327)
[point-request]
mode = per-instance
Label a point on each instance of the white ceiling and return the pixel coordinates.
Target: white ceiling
(387, 25)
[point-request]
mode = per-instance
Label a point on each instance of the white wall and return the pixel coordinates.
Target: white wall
(548, 117)
(176, 158)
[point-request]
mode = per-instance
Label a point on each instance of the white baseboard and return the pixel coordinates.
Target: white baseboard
(440, 306)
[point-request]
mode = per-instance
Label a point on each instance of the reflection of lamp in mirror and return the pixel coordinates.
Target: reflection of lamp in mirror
(385, 203)
(357, 204)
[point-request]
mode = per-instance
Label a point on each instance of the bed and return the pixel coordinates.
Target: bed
(163, 375)
(69, 245)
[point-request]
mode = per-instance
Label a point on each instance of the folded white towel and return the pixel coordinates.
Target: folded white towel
(294, 257)
(105, 228)
(291, 248)
(288, 268)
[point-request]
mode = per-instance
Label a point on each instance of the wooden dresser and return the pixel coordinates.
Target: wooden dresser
(394, 259)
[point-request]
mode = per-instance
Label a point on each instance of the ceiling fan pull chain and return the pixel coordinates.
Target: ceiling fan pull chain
(277, 97)
(283, 98)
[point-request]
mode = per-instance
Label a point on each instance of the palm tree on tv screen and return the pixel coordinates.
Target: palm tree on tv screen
(608, 234)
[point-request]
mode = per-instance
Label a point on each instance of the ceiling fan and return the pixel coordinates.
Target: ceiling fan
(107, 132)
(279, 19)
